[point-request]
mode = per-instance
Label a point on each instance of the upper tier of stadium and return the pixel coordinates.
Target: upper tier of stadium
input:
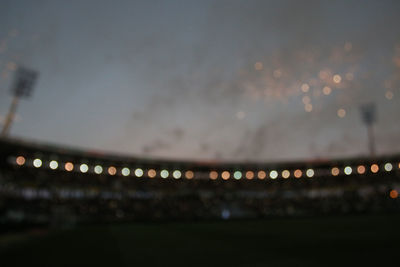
(36, 155)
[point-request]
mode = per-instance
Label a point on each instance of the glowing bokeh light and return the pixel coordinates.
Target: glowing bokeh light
(84, 168)
(389, 95)
(273, 174)
(53, 164)
(337, 78)
(37, 163)
(258, 66)
(361, 169)
(125, 171)
(249, 175)
(335, 171)
(237, 175)
(213, 175)
(374, 168)
(298, 173)
(348, 170)
(177, 174)
(139, 172)
(388, 167)
(261, 175)
(151, 173)
(112, 170)
(341, 113)
(285, 174)
(393, 194)
(225, 175)
(326, 90)
(189, 175)
(20, 160)
(164, 174)
(308, 107)
(98, 169)
(305, 87)
(310, 173)
(69, 166)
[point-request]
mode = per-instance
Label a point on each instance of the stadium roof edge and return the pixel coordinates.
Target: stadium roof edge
(24, 146)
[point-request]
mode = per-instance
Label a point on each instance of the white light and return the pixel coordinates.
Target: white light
(53, 164)
(125, 171)
(348, 170)
(177, 174)
(98, 169)
(139, 172)
(84, 168)
(164, 173)
(388, 167)
(273, 174)
(237, 175)
(37, 163)
(310, 173)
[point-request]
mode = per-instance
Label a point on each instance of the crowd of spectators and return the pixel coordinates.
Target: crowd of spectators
(46, 197)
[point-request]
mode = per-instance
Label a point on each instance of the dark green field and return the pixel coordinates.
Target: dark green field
(333, 241)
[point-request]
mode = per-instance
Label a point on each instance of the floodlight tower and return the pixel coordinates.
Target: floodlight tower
(24, 81)
(368, 113)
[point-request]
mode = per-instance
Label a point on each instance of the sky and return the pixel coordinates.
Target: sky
(205, 80)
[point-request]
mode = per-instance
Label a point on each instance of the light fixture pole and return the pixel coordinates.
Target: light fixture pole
(368, 113)
(22, 88)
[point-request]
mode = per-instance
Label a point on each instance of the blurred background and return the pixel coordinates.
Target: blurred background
(139, 119)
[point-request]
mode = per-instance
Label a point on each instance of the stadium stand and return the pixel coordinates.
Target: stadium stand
(48, 185)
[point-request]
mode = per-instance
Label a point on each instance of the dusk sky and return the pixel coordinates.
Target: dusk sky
(204, 80)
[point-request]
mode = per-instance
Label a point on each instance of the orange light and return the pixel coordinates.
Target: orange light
(308, 107)
(258, 66)
(261, 175)
(69, 166)
(374, 168)
(250, 175)
(112, 170)
(337, 78)
(305, 87)
(394, 194)
(298, 173)
(213, 175)
(225, 175)
(20, 160)
(326, 90)
(341, 113)
(151, 173)
(335, 171)
(189, 174)
(361, 169)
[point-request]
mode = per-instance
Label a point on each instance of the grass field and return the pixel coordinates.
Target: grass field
(330, 241)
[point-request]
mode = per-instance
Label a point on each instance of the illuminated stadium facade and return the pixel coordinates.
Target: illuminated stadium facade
(43, 184)
(30, 155)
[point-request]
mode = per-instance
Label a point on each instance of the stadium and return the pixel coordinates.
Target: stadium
(324, 203)
(61, 185)
(199, 133)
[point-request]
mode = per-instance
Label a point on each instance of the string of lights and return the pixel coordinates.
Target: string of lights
(212, 174)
